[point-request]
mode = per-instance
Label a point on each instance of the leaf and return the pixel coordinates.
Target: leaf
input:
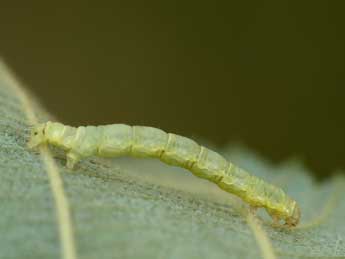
(140, 208)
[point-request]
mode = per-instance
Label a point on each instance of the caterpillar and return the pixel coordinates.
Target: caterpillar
(140, 141)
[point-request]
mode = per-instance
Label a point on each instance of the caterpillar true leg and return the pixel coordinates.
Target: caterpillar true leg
(72, 160)
(139, 141)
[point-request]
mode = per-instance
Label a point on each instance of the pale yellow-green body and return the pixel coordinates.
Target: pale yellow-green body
(139, 141)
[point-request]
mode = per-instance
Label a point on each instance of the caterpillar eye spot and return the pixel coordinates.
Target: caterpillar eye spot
(139, 141)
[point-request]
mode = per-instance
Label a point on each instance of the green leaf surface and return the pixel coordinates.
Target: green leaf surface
(141, 208)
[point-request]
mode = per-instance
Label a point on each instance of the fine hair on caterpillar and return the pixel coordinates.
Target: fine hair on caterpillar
(140, 141)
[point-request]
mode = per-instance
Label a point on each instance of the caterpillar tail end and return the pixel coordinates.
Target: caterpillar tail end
(295, 218)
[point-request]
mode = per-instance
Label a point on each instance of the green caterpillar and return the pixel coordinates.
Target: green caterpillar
(139, 141)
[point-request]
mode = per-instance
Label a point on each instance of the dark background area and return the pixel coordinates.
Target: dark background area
(269, 74)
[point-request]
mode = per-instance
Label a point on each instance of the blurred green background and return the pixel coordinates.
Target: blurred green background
(268, 74)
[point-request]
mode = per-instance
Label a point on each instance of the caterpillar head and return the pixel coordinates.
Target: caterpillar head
(37, 136)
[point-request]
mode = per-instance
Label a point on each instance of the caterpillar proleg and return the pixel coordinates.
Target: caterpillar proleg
(139, 141)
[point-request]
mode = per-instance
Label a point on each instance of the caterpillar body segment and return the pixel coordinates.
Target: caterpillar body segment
(139, 141)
